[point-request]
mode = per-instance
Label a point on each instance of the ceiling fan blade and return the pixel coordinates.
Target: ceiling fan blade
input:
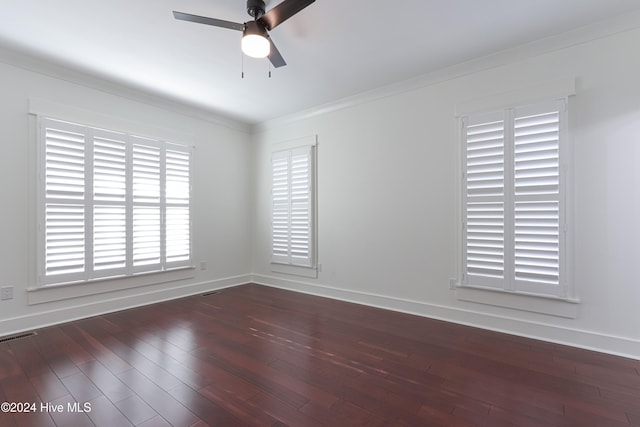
(208, 21)
(274, 56)
(283, 11)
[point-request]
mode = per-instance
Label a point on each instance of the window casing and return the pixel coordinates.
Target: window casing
(293, 206)
(513, 207)
(110, 204)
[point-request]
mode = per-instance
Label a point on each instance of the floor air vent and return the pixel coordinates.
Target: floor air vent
(17, 337)
(206, 294)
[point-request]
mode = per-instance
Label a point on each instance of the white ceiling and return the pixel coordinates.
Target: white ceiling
(334, 48)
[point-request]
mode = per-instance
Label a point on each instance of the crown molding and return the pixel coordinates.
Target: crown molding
(539, 47)
(30, 61)
(50, 67)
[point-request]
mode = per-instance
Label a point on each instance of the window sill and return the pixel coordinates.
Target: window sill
(295, 270)
(66, 291)
(558, 307)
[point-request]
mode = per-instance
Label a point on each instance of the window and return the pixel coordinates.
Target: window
(110, 204)
(293, 206)
(514, 189)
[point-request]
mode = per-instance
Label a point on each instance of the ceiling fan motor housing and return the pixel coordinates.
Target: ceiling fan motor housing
(255, 8)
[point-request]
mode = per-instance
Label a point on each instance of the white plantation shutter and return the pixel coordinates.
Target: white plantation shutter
(109, 198)
(111, 204)
(485, 200)
(64, 193)
(146, 185)
(64, 196)
(537, 198)
(512, 237)
(280, 204)
(300, 230)
(292, 207)
(178, 220)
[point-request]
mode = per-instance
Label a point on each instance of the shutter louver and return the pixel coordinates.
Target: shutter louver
(178, 235)
(64, 211)
(537, 154)
(109, 169)
(177, 177)
(64, 239)
(280, 199)
(146, 235)
(485, 159)
(109, 237)
(300, 207)
(485, 239)
(484, 173)
(146, 174)
(64, 163)
(109, 186)
(146, 205)
(537, 241)
(537, 212)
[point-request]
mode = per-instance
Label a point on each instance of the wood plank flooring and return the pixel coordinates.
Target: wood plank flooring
(257, 356)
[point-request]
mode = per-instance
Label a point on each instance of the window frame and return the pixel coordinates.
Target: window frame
(128, 271)
(502, 125)
(288, 264)
(512, 297)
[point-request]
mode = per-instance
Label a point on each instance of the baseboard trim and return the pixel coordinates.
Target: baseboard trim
(619, 346)
(81, 311)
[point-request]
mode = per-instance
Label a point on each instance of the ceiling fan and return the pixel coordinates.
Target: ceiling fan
(255, 37)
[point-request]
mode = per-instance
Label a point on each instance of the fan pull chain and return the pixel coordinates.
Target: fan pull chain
(269, 68)
(242, 55)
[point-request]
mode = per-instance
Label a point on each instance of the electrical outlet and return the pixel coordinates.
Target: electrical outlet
(452, 284)
(203, 265)
(6, 293)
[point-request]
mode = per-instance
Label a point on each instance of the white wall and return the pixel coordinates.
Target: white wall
(389, 155)
(387, 196)
(222, 196)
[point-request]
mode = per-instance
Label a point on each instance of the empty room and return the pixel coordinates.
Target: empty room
(320, 213)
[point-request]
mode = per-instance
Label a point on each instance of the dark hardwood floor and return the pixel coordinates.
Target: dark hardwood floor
(258, 356)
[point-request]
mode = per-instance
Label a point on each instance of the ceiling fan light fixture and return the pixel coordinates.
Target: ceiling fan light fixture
(254, 41)
(255, 38)
(255, 46)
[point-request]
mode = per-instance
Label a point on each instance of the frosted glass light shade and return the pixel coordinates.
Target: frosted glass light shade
(255, 46)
